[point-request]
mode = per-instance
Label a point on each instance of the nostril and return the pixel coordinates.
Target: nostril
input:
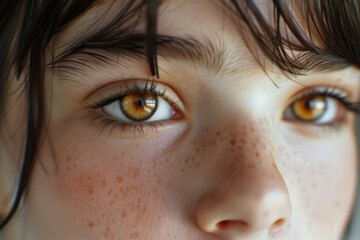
(230, 224)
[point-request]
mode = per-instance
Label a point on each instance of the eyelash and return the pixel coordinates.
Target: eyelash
(148, 87)
(340, 95)
(108, 124)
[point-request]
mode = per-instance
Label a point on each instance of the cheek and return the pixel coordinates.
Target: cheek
(105, 185)
(321, 181)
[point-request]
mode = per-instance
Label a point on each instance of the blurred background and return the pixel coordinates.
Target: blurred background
(354, 228)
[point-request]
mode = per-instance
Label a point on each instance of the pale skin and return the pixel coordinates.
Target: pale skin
(226, 165)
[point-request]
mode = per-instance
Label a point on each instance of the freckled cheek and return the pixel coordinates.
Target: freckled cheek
(84, 160)
(111, 184)
(324, 176)
(107, 177)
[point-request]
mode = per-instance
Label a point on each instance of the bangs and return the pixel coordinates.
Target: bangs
(301, 35)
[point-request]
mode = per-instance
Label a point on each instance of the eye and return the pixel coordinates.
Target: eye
(141, 106)
(316, 108)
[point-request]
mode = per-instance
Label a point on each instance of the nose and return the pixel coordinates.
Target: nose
(254, 197)
(238, 212)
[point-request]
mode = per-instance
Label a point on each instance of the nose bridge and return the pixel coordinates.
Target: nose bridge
(250, 158)
(248, 145)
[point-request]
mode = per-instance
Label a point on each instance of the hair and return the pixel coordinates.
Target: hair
(325, 34)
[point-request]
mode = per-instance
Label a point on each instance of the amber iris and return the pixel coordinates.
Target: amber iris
(139, 106)
(310, 108)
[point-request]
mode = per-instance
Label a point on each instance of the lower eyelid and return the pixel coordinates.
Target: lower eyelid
(100, 122)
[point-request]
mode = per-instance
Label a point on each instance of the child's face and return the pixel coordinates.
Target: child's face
(230, 160)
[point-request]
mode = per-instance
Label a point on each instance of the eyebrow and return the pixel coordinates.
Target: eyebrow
(203, 53)
(198, 53)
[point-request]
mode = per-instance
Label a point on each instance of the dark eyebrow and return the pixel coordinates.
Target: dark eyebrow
(198, 53)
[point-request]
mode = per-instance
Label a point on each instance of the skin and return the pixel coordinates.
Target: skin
(231, 167)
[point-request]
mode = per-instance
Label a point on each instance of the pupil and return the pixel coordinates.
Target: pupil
(310, 104)
(315, 104)
(141, 102)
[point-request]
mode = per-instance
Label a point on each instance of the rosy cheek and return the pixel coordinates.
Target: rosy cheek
(107, 186)
(107, 198)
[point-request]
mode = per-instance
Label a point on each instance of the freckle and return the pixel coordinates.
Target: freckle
(218, 133)
(182, 170)
(90, 190)
(123, 214)
(103, 183)
(91, 224)
(243, 141)
(233, 142)
(107, 232)
(119, 179)
(134, 235)
(257, 154)
(109, 192)
(252, 165)
(158, 180)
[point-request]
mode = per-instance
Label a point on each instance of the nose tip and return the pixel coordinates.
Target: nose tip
(239, 215)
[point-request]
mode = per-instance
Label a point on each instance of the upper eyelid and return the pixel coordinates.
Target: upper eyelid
(343, 96)
(131, 86)
(321, 90)
(118, 96)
